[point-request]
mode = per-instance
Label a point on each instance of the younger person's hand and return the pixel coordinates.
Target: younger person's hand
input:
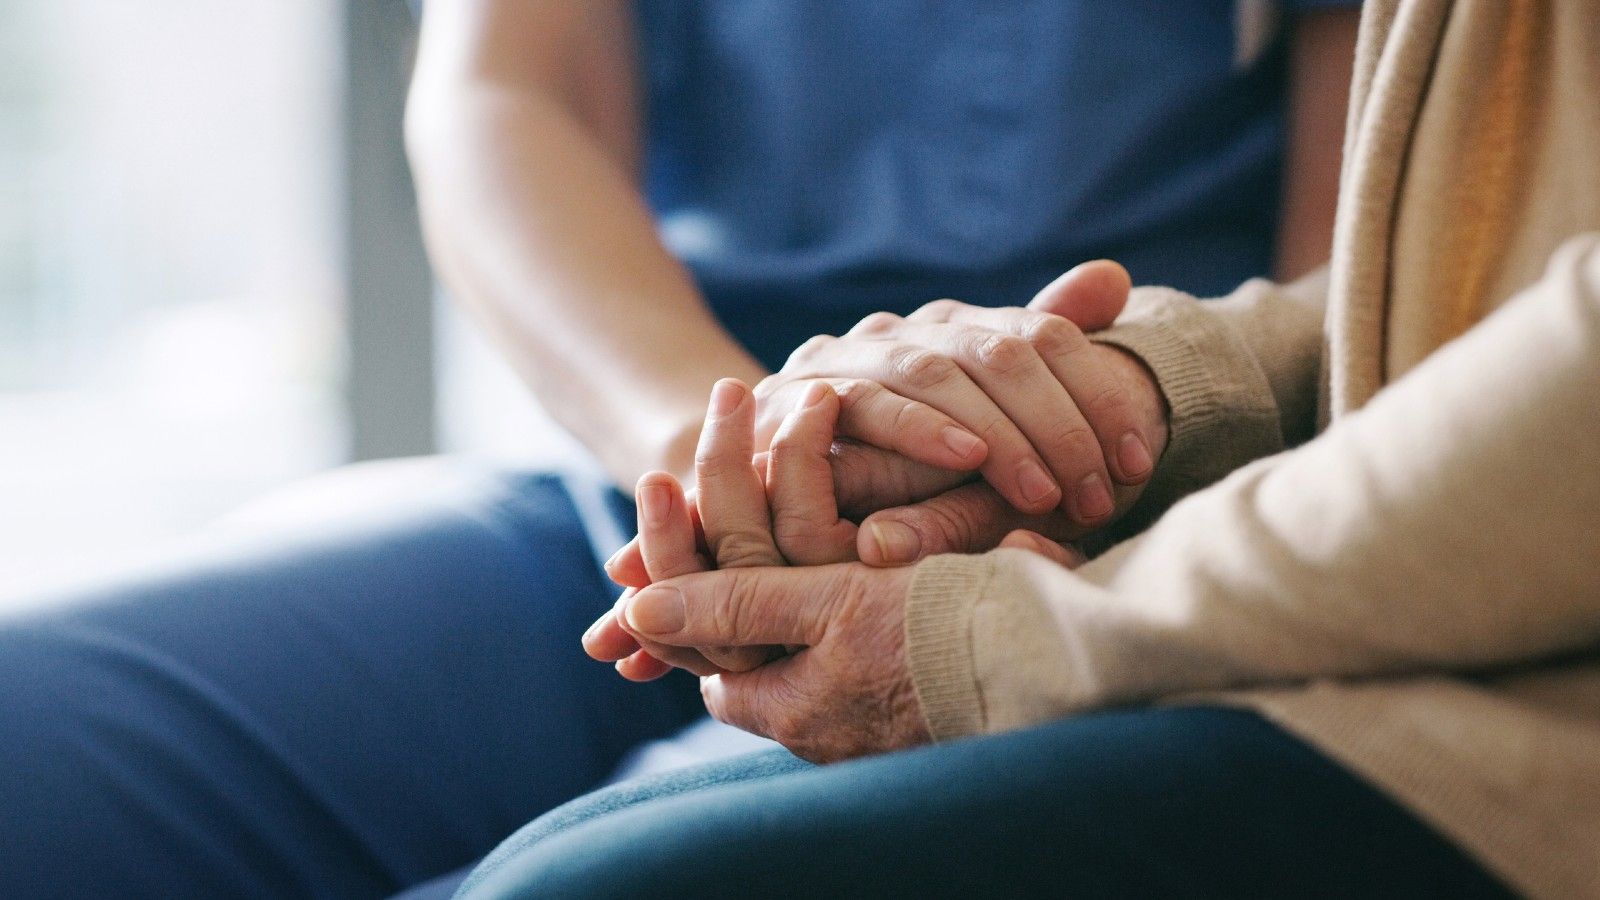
(910, 509)
(1060, 428)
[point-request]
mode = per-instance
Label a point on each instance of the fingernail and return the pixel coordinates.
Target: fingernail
(961, 443)
(897, 542)
(1133, 456)
(814, 394)
(654, 502)
(657, 610)
(1036, 485)
(1094, 498)
(612, 562)
(725, 396)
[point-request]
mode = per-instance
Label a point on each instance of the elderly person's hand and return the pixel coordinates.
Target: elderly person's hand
(798, 481)
(846, 689)
(844, 692)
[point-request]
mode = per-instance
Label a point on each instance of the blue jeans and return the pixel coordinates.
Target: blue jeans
(355, 702)
(337, 706)
(1184, 802)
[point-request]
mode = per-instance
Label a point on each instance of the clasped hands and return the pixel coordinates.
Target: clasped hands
(955, 429)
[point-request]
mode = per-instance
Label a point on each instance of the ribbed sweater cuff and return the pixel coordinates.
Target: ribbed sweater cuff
(939, 639)
(1222, 411)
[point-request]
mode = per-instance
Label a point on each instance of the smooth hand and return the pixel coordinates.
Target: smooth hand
(1095, 410)
(1059, 427)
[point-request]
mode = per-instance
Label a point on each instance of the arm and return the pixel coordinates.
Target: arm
(1453, 524)
(522, 130)
(1269, 337)
(1322, 50)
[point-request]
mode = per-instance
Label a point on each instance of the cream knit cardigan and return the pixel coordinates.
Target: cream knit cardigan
(1415, 587)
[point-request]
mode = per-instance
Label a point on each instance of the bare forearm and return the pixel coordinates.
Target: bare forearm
(536, 225)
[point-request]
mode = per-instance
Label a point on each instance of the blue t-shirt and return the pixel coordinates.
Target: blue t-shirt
(816, 161)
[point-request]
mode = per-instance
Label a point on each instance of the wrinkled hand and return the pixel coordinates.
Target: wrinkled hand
(845, 689)
(845, 692)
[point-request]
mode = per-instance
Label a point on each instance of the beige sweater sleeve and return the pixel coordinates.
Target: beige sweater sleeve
(1240, 376)
(1452, 524)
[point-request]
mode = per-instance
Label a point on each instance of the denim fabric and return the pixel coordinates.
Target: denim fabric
(1192, 802)
(362, 705)
(339, 704)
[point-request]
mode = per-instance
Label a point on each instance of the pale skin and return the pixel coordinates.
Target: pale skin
(800, 530)
(826, 674)
(523, 130)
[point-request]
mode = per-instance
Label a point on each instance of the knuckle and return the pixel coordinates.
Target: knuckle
(938, 310)
(1112, 398)
(1073, 438)
(792, 456)
(796, 529)
(922, 369)
(743, 549)
(809, 543)
(998, 432)
(1004, 354)
(727, 609)
(1054, 334)
(785, 448)
(853, 392)
(877, 323)
(944, 527)
(907, 417)
(811, 349)
(712, 460)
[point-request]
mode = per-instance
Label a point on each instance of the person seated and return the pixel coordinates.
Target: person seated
(360, 686)
(1356, 654)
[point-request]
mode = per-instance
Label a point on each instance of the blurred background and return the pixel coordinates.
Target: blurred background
(211, 281)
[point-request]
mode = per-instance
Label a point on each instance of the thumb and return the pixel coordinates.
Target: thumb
(972, 518)
(1091, 295)
(739, 607)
